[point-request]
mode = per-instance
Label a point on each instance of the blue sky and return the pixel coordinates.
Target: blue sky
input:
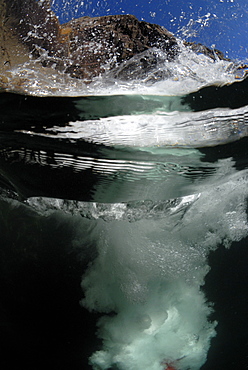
(219, 23)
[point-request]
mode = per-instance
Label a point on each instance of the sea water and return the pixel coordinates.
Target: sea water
(126, 187)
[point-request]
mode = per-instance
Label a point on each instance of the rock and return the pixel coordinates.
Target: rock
(86, 47)
(95, 44)
(83, 47)
(198, 48)
(28, 29)
(12, 51)
(35, 25)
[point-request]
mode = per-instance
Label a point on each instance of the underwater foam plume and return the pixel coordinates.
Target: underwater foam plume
(148, 277)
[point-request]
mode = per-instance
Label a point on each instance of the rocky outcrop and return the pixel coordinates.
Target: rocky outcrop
(12, 51)
(198, 48)
(34, 24)
(85, 47)
(27, 29)
(96, 43)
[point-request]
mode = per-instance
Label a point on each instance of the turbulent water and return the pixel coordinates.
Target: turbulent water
(146, 178)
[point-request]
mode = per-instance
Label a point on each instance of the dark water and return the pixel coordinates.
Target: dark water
(42, 323)
(226, 286)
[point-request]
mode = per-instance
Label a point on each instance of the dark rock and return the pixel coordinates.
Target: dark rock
(27, 29)
(83, 47)
(104, 42)
(34, 24)
(87, 47)
(198, 48)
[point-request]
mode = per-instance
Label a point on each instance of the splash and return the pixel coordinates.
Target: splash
(41, 60)
(152, 245)
(189, 72)
(148, 275)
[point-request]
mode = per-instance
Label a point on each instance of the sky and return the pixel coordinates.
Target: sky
(222, 24)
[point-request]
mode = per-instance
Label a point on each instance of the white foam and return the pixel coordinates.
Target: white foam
(150, 274)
